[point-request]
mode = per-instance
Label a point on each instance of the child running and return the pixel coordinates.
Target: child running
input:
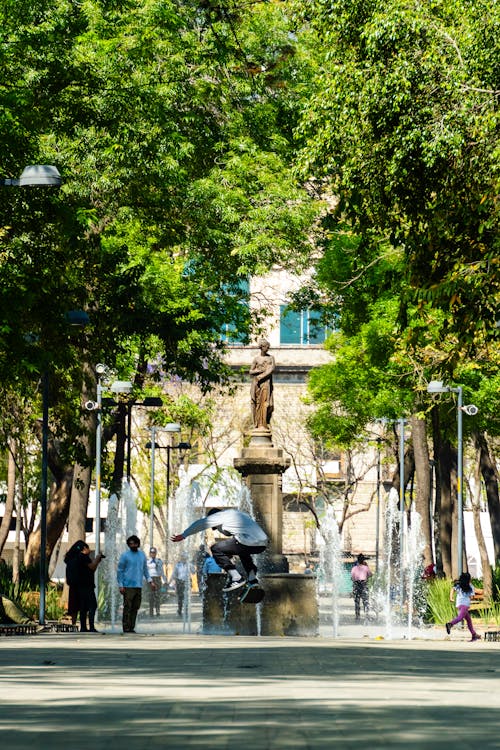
(464, 591)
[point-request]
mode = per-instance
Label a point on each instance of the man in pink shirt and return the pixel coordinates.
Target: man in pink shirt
(360, 575)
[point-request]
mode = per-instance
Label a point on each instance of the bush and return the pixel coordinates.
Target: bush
(496, 583)
(26, 592)
(439, 608)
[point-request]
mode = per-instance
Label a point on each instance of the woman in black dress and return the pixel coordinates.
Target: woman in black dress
(80, 569)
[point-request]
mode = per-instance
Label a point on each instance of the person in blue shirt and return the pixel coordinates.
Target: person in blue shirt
(132, 569)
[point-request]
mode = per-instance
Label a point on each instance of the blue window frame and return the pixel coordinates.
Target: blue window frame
(229, 332)
(302, 327)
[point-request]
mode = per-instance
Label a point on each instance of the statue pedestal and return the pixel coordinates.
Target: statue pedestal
(290, 607)
(262, 465)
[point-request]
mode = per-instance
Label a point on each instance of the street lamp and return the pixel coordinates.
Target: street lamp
(182, 447)
(436, 386)
(125, 388)
(36, 174)
(43, 175)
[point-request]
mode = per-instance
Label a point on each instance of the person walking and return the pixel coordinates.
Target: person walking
(181, 576)
(80, 569)
(132, 569)
(155, 568)
(246, 538)
(360, 574)
(463, 591)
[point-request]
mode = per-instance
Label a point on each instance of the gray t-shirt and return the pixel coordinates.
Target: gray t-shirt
(231, 522)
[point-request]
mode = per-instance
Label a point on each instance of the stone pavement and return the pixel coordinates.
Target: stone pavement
(163, 688)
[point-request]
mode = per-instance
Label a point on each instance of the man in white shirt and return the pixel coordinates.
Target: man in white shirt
(246, 538)
(181, 575)
(155, 568)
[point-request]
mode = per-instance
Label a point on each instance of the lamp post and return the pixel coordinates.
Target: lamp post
(43, 495)
(182, 447)
(125, 388)
(377, 533)
(436, 386)
(402, 503)
(101, 372)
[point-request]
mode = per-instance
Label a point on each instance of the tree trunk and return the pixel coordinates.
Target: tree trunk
(446, 509)
(476, 514)
(423, 474)
(490, 477)
(16, 555)
(83, 471)
(57, 515)
(11, 494)
(78, 503)
(436, 449)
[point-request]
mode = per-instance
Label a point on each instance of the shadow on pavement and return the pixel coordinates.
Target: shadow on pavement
(146, 692)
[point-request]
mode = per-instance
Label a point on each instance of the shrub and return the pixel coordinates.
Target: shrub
(439, 607)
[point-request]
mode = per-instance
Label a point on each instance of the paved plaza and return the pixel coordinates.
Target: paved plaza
(165, 688)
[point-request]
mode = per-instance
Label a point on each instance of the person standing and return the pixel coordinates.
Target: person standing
(360, 574)
(199, 560)
(209, 567)
(181, 576)
(246, 538)
(132, 569)
(155, 568)
(463, 591)
(80, 569)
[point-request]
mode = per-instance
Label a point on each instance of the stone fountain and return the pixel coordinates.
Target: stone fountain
(290, 607)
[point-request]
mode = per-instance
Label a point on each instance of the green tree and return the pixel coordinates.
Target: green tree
(167, 122)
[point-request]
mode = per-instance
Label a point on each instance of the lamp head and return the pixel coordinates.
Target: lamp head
(40, 174)
(122, 386)
(436, 386)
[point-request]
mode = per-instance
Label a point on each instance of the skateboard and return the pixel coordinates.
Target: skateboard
(252, 594)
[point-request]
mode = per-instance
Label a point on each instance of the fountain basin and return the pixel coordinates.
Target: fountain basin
(290, 607)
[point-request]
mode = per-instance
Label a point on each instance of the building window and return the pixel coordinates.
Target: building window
(230, 333)
(302, 327)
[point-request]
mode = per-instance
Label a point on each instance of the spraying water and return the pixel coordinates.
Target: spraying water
(397, 593)
(390, 579)
(121, 522)
(245, 504)
(182, 511)
(414, 548)
(330, 563)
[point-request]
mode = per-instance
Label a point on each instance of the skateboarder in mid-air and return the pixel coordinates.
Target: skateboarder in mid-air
(246, 538)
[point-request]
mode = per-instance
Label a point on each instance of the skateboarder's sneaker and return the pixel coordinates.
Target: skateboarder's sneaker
(253, 582)
(234, 585)
(448, 628)
(476, 637)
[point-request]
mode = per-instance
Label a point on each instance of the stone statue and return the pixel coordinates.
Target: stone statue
(261, 390)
